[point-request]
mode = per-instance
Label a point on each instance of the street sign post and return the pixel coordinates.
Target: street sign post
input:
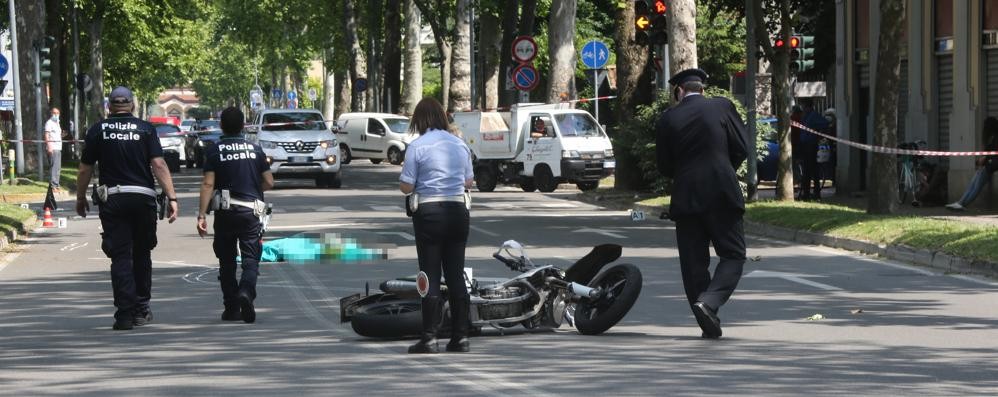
(525, 77)
(360, 85)
(524, 49)
(595, 55)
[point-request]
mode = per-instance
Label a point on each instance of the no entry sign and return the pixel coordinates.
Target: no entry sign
(525, 77)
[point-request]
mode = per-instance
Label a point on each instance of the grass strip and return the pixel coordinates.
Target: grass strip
(13, 218)
(67, 178)
(970, 241)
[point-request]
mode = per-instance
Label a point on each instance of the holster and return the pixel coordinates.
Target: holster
(161, 204)
(411, 204)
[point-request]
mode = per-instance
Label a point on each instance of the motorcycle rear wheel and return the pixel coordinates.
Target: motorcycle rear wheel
(621, 285)
(389, 319)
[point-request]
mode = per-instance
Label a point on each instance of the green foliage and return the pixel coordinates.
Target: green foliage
(640, 138)
(720, 44)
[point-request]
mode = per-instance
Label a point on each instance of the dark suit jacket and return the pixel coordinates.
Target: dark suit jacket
(700, 142)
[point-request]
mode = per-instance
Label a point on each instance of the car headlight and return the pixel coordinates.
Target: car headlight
(327, 144)
(268, 144)
(200, 143)
(570, 154)
(608, 153)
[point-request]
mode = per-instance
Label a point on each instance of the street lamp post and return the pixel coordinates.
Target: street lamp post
(15, 71)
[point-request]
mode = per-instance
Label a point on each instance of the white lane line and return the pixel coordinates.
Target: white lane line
(483, 382)
(483, 231)
(976, 280)
(180, 264)
(559, 205)
(793, 277)
(864, 258)
(73, 246)
(310, 226)
(386, 208)
(603, 232)
(332, 208)
(404, 235)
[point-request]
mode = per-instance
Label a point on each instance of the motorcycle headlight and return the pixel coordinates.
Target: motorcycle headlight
(608, 153)
(570, 154)
(327, 144)
(268, 144)
(201, 143)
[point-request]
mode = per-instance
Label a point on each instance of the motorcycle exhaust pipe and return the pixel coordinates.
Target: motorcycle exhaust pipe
(584, 291)
(398, 286)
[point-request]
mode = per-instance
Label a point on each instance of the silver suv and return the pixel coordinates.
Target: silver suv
(298, 144)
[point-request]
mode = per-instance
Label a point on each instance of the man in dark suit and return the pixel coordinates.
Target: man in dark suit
(700, 143)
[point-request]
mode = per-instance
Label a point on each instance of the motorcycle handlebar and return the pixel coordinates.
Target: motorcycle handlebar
(510, 263)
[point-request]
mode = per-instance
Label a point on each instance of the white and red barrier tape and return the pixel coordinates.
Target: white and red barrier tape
(888, 150)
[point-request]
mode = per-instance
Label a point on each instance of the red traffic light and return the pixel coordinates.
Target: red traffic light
(659, 7)
(778, 43)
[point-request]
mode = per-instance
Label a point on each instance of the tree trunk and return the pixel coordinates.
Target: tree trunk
(883, 170)
(374, 48)
(412, 88)
(529, 13)
(510, 16)
(358, 62)
(561, 51)
(343, 89)
(329, 101)
(56, 28)
(491, 52)
(393, 57)
(780, 64)
(460, 86)
(682, 30)
(30, 29)
(633, 89)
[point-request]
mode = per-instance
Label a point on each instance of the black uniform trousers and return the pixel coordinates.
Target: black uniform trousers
(810, 184)
(237, 228)
(129, 223)
(441, 235)
(694, 235)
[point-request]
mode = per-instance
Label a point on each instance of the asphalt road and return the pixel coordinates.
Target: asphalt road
(918, 332)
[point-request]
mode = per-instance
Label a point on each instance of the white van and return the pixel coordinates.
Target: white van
(298, 144)
(374, 136)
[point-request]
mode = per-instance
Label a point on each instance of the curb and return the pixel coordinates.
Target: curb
(18, 198)
(10, 236)
(942, 261)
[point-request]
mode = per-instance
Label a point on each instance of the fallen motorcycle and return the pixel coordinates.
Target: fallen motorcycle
(585, 297)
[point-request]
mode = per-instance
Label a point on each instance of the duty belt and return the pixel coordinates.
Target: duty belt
(437, 199)
(131, 189)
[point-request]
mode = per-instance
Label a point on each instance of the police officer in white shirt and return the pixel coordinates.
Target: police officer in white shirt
(438, 170)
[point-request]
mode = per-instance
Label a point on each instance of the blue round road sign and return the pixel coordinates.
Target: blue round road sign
(360, 85)
(595, 54)
(4, 66)
(292, 95)
(525, 78)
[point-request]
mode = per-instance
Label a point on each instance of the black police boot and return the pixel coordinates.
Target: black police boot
(246, 307)
(431, 321)
(459, 329)
(142, 317)
(123, 324)
(231, 313)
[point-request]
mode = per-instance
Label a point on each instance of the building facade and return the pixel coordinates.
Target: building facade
(949, 83)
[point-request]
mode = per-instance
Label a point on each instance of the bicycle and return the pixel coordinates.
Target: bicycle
(907, 168)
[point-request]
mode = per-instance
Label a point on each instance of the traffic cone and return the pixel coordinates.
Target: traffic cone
(47, 220)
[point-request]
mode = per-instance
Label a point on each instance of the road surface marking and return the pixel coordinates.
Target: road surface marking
(73, 246)
(332, 208)
(483, 231)
(793, 277)
(558, 205)
(974, 280)
(310, 226)
(386, 208)
(603, 232)
(404, 235)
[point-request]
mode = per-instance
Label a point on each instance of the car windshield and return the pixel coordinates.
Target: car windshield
(576, 125)
(293, 122)
(187, 123)
(164, 130)
(211, 125)
(399, 126)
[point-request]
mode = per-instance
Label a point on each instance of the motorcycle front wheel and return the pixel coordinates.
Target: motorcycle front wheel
(621, 285)
(389, 319)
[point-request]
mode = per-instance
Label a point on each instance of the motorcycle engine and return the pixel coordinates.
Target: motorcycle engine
(500, 311)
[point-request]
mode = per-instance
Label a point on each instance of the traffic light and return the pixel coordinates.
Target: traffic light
(642, 22)
(801, 53)
(45, 57)
(658, 33)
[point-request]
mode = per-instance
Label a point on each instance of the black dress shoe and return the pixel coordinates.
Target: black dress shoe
(246, 308)
(143, 318)
(705, 336)
(425, 346)
(231, 314)
(707, 318)
(123, 324)
(460, 345)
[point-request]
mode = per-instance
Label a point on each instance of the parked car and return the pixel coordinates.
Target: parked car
(766, 169)
(173, 143)
(187, 125)
(205, 133)
(298, 144)
(374, 136)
